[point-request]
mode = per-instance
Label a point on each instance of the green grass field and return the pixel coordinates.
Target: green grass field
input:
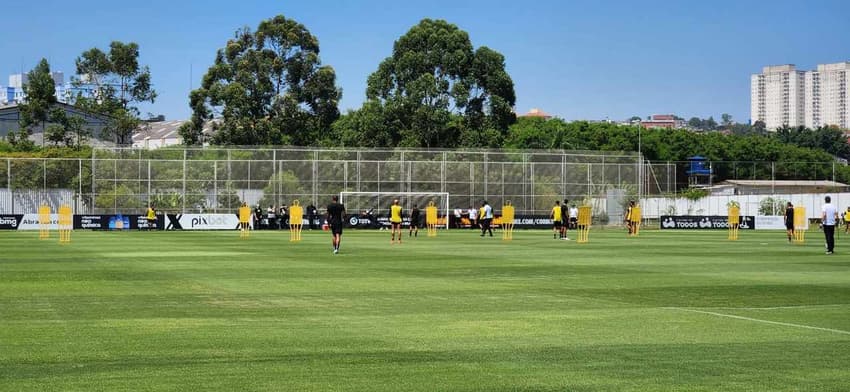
(669, 311)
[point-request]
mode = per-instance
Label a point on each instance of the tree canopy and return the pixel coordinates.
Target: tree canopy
(116, 84)
(435, 90)
(266, 87)
(40, 93)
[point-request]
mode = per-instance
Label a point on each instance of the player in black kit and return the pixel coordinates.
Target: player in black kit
(414, 222)
(336, 215)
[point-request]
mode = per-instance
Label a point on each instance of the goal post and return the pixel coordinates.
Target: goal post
(379, 202)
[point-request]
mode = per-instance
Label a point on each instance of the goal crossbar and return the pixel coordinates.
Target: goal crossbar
(440, 196)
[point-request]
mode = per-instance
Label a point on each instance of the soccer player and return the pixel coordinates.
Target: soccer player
(847, 220)
(472, 213)
(556, 219)
(151, 217)
(789, 221)
(414, 222)
(565, 211)
(395, 221)
(244, 217)
(336, 215)
(829, 215)
(485, 216)
(628, 217)
(573, 217)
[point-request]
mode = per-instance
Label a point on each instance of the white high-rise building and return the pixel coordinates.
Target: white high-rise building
(784, 96)
(15, 92)
(813, 105)
(778, 96)
(834, 82)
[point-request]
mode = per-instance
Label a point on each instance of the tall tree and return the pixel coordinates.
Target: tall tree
(726, 119)
(118, 84)
(69, 130)
(439, 91)
(266, 87)
(695, 123)
(829, 139)
(40, 93)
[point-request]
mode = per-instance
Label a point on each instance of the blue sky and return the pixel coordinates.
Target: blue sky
(574, 59)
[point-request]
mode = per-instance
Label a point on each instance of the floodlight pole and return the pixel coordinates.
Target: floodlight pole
(640, 167)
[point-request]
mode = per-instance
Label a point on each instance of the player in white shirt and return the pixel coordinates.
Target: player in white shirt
(829, 217)
(573, 217)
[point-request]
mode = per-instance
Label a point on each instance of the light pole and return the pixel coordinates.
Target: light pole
(640, 166)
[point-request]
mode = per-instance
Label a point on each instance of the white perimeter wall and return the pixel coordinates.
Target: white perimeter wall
(716, 205)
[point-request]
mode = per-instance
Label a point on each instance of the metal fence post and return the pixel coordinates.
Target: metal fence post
(9, 183)
(80, 183)
(149, 181)
(315, 181)
(443, 173)
(486, 174)
(114, 186)
(773, 178)
(93, 189)
(401, 172)
(276, 179)
(183, 199)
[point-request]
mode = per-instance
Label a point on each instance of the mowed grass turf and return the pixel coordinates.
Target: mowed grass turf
(183, 311)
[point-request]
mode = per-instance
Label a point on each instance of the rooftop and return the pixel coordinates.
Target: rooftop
(809, 183)
(535, 112)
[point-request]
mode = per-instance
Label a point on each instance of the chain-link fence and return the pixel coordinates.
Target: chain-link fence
(219, 180)
(667, 178)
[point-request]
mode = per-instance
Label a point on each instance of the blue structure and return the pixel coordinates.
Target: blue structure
(699, 171)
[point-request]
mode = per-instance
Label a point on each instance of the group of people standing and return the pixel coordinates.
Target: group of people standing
(396, 219)
(564, 217)
(475, 216)
(278, 218)
(829, 219)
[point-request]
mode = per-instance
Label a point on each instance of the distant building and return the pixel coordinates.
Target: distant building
(158, 134)
(784, 96)
(10, 117)
(64, 92)
(536, 113)
(833, 95)
(767, 187)
(667, 121)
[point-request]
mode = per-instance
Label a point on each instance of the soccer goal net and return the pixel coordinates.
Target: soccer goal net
(378, 204)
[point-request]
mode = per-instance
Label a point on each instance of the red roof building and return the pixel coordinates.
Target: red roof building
(536, 113)
(667, 121)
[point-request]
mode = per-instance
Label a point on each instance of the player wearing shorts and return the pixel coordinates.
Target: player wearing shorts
(573, 217)
(395, 221)
(414, 222)
(565, 211)
(789, 221)
(847, 220)
(150, 216)
(485, 216)
(336, 215)
(628, 218)
(557, 220)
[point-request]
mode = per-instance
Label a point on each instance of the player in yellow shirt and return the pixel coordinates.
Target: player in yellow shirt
(557, 219)
(847, 220)
(628, 218)
(395, 221)
(150, 216)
